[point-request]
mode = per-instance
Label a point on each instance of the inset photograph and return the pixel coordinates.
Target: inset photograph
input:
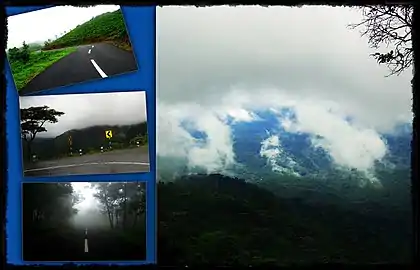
(78, 134)
(98, 221)
(71, 44)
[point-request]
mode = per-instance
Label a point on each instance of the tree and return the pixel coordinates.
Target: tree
(390, 26)
(48, 203)
(25, 53)
(102, 195)
(32, 122)
(122, 202)
(22, 54)
(14, 54)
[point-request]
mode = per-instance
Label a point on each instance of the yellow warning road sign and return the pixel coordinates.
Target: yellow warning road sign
(108, 134)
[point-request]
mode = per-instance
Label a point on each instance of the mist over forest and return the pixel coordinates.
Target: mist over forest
(59, 216)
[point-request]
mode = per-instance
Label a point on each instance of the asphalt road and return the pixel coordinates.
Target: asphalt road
(88, 62)
(117, 161)
(70, 245)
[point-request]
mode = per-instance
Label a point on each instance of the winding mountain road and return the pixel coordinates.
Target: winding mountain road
(88, 62)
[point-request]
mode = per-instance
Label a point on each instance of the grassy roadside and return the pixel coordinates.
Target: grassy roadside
(23, 73)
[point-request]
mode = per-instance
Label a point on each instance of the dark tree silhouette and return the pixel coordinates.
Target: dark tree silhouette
(123, 203)
(32, 122)
(390, 26)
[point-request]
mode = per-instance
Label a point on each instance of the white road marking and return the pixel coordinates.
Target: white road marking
(100, 71)
(89, 51)
(93, 46)
(86, 246)
(87, 164)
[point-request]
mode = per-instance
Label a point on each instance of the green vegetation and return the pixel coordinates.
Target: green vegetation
(107, 27)
(32, 59)
(27, 62)
(218, 220)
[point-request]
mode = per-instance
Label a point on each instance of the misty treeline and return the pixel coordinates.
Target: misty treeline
(34, 119)
(123, 203)
(48, 205)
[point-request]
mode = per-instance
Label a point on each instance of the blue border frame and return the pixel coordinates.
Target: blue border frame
(141, 25)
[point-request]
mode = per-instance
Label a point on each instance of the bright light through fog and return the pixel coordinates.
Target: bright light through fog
(87, 192)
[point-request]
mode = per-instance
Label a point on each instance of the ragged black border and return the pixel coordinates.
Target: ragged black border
(415, 85)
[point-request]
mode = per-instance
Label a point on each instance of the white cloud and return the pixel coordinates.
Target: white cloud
(234, 60)
(271, 149)
(216, 153)
(348, 144)
(44, 24)
(308, 51)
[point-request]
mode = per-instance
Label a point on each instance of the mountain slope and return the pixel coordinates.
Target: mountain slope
(264, 147)
(89, 139)
(107, 27)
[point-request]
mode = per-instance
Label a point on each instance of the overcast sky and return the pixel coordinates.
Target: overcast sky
(41, 25)
(220, 61)
(85, 110)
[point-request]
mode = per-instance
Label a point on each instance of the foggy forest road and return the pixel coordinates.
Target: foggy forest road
(69, 245)
(117, 161)
(88, 62)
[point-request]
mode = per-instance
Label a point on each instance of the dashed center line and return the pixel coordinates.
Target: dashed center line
(100, 71)
(96, 66)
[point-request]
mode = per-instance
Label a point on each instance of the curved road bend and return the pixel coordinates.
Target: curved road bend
(117, 161)
(88, 62)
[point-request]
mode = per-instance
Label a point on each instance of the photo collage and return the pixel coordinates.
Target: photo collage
(216, 136)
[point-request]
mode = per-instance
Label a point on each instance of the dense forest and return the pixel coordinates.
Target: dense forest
(220, 220)
(54, 228)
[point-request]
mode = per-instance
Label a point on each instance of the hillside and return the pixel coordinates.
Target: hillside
(108, 27)
(221, 220)
(89, 139)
